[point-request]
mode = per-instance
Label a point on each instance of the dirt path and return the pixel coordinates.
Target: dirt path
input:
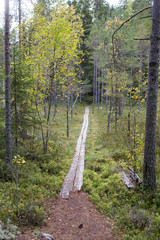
(73, 216)
(74, 178)
(74, 219)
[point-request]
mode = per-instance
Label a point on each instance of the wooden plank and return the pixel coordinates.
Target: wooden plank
(80, 168)
(74, 178)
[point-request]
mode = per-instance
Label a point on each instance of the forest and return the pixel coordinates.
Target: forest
(54, 62)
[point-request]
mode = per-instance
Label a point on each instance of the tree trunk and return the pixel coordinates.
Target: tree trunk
(116, 107)
(49, 112)
(96, 85)
(149, 171)
(71, 104)
(55, 98)
(15, 101)
(102, 89)
(45, 107)
(130, 95)
(135, 146)
(80, 97)
(68, 115)
(98, 94)
(7, 89)
(20, 17)
(109, 113)
(107, 97)
(129, 125)
(140, 76)
(94, 81)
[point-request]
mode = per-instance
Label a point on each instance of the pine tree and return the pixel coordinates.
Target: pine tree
(7, 88)
(149, 171)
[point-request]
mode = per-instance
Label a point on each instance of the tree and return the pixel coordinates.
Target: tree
(149, 171)
(1, 67)
(83, 8)
(53, 54)
(7, 89)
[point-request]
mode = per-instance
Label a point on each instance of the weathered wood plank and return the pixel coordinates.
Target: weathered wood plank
(74, 178)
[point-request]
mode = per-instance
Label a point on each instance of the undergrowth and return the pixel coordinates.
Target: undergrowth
(136, 212)
(41, 176)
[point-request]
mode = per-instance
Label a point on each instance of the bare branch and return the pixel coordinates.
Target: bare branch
(142, 10)
(143, 39)
(146, 17)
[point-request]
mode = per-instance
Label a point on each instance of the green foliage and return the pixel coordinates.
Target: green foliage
(47, 68)
(31, 214)
(120, 155)
(5, 174)
(153, 231)
(42, 175)
(8, 230)
(135, 211)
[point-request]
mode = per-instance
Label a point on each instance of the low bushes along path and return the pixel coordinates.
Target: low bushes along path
(73, 216)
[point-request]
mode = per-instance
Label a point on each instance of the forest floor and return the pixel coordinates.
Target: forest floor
(72, 216)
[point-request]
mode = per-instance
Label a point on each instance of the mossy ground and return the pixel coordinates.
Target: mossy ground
(136, 211)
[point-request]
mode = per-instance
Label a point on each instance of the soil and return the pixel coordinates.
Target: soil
(74, 219)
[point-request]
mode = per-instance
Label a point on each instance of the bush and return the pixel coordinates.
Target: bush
(5, 173)
(8, 230)
(31, 214)
(118, 155)
(153, 231)
(139, 217)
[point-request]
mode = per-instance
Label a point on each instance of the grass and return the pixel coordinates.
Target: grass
(136, 212)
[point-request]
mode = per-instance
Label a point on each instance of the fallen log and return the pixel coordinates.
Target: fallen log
(127, 180)
(130, 179)
(134, 176)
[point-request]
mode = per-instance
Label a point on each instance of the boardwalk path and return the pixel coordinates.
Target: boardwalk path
(75, 218)
(74, 178)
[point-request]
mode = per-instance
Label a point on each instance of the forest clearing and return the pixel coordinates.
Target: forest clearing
(80, 120)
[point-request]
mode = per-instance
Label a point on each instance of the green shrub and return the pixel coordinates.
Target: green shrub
(5, 173)
(118, 155)
(153, 231)
(31, 214)
(140, 218)
(8, 230)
